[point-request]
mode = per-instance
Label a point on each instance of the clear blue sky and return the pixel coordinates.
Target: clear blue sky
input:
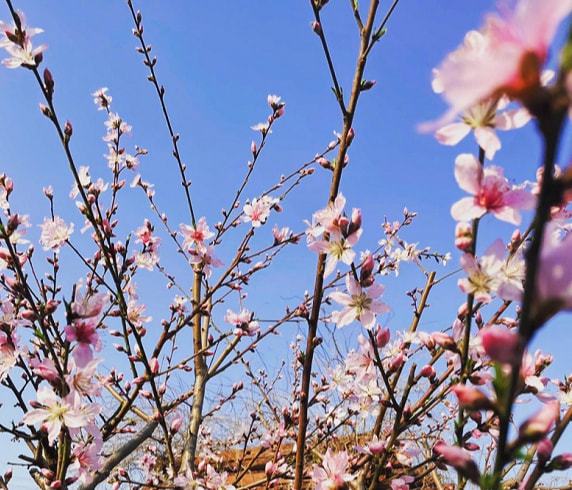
(218, 61)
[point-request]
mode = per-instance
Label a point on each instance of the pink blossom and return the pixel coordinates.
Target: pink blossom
(492, 274)
(135, 313)
(102, 99)
(537, 427)
(506, 57)
(483, 119)
(554, 280)
(205, 259)
(196, 236)
(458, 458)
(491, 192)
(359, 304)
(54, 413)
(18, 43)
(281, 234)
(89, 305)
(243, 322)
(82, 379)
(86, 461)
(45, 368)
(55, 233)
(258, 210)
(471, 398)
(333, 473)
(402, 483)
(84, 333)
(500, 344)
(8, 353)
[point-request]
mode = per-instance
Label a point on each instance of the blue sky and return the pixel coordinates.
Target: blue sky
(218, 61)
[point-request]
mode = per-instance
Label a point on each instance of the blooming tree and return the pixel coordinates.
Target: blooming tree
(399, 409)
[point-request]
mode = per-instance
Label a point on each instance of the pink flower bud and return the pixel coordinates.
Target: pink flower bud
(154, 365)
(560, 463)
(445, 341)
(463, 236)
(428, 371)
(501, 345)
(382, 336)
(471, 398)
(316, 27)
(536, 427)
(459, 459)
(544, 449)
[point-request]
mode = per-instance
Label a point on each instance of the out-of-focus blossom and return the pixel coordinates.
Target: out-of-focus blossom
(243, 322)
(458, 458)
(505, 57)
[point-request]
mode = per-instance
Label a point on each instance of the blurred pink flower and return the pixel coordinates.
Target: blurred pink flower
(505, 58)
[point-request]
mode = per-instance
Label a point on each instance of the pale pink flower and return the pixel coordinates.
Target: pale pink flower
(90, 305)
(243, 321)
(483, 275)
(54, 413)
(554, 280)
(333, 473)
(55, 233)
(205, 259)
(336, 250)
(258, 210)
(135, 313)
(102, 99)
(281, 234)
(506, 57)
(374, 447)
(45, 369)
(9, 353)
(483, 119)
(402, 483)
(491, 192)
(359, 304)
(18, 44)
(82, 379)
(196, 235)
(86, 461)
(214, 480)
(329, 217)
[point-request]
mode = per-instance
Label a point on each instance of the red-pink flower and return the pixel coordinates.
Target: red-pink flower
(84, 333)
(491, 192)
